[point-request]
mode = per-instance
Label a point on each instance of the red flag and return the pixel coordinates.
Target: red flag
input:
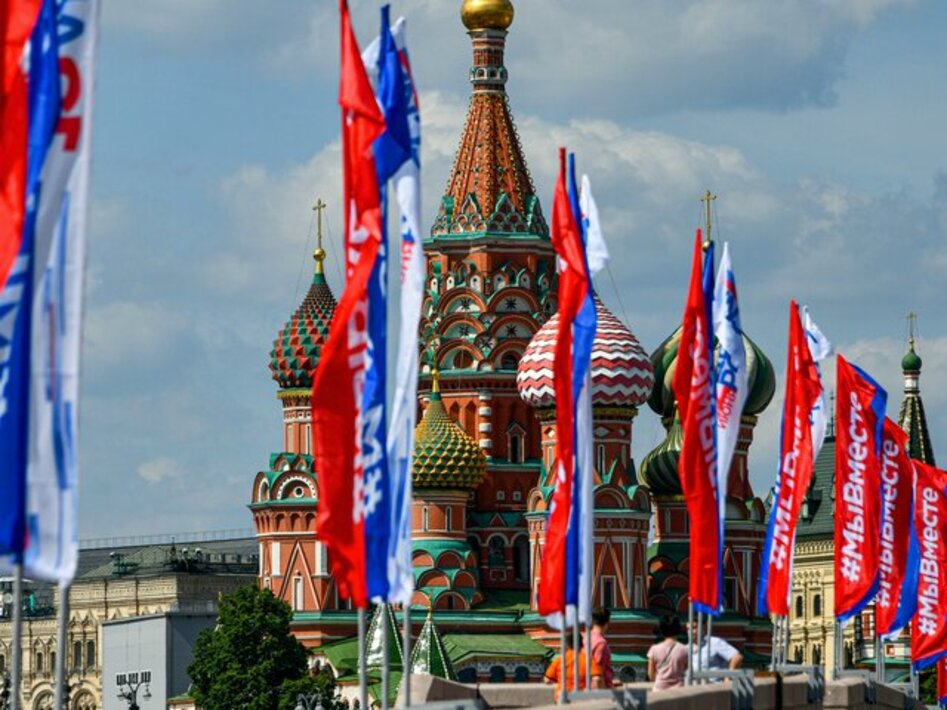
(16, 23)
(803, 388)
(572, 281)
(929, 626)
(340, 376)
(897, 492)
(858, 433)
(693, 390)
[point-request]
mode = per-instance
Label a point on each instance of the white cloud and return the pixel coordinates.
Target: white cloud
(160, 469)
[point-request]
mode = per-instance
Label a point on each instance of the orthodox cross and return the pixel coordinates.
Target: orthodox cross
(707, 199)
(912, 328)
(319, 254)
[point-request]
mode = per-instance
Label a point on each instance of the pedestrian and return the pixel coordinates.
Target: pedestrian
(667, 659)
(555, 674)
(601, 652)
(715, 654)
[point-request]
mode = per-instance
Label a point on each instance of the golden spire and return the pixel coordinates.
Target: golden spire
(912, 328)
(487, 14)
(707, 199)
(436, 382)
(319, 254)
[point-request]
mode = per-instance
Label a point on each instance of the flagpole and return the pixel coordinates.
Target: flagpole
(17, 643)
(690, 643)
(575, 652)
(406, 675)
(385, 662)
(564, 665)
(700, 646)
(362, 665)
(588, 652)
(63, 622)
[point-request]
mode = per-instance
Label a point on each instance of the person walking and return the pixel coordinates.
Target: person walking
(667, 659)
(554, 673)
(601, 651)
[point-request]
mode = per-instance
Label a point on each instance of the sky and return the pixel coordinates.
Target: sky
(818, 124)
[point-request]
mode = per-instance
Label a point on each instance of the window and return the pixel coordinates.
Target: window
(39, 662)
(816, 655)
(817, 605)
(307, 444)
(449, 518)
(509, 361)
(600, 458)
(517, 495)
(467, 675)
(521, 674)
(449, 602)
(52, 661)
(298, 599)
(77, 654)
(799, 607)
(275, 566)
(90, 654)
(3, 663)
(608, 592)
(322, 559)
(426, 522)
(497, 552)
(501, 495)
(516, 448)
(497, 674)
(730, 593)
(521, 559)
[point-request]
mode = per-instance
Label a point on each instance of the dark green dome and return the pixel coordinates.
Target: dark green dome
(659, 468)
(911, 362)
(444, 456)
(761, 377)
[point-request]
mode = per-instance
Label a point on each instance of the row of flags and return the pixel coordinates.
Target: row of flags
(365, 505)
(890, 516)
(45, 134)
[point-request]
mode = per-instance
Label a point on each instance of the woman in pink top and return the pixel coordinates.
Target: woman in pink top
(667, 659)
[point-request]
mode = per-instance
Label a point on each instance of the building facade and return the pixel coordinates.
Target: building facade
(113, 584)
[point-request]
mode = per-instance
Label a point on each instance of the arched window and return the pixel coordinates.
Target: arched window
(497, 674)
(799, 607)
(497, 552)
(467, 675)
(816, 655)
(510, 361)
(77, 654)
(39, 662)
(521, 674)
(449, 602)
(521, 559)
(817, 605)
(298, 599)
(90, 654)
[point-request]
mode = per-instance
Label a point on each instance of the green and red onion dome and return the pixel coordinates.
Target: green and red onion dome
(445, 457)
(622, 374)
(296, 349)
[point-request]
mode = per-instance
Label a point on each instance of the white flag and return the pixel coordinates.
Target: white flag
(731, 387)
(821, 348)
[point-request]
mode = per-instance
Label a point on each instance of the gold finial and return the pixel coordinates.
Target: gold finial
(319, 254)
(487, 14)
(707, 199)
(435, 381)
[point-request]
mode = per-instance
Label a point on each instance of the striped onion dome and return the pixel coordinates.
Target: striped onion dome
(296, 349)
(761, 377)
(445, 456)
(622, 374)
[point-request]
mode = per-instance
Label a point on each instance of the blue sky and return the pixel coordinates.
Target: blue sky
(818, 124)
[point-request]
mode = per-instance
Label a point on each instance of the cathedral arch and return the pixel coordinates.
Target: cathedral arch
(463, 301)
(497, 551)
(263, 492)
(450, 560)
(521, 558)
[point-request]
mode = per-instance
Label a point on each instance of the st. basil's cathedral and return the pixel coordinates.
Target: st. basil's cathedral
(485, 441)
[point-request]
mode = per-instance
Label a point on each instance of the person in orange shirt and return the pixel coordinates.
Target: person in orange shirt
(554, 672)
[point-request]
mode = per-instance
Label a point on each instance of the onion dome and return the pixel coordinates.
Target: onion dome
(658, 469)
(444, 456)
(911, 362)
(622, 374)
(487, 14)
(761, 378)
(297, 347)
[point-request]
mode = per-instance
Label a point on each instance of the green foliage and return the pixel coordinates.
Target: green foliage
(322, 683)
(245, 661)
(929, 686)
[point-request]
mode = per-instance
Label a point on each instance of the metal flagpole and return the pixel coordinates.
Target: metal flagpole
(406, 675)
(690, 643)
(63, 623)
(772, 655)
(17, 669)
(564, 664)
(362, 662)
(385, 664)
(838, 649)
(588, 652)
(575, 652)
(700, 645)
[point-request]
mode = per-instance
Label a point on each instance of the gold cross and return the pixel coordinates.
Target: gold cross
(707, 199)
(319, 254)
(912, 327)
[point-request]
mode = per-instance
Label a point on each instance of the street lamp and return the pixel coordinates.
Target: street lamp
(128, 685)
(312, 701)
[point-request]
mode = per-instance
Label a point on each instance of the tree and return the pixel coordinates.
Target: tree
(247, 658)
(322, 682)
